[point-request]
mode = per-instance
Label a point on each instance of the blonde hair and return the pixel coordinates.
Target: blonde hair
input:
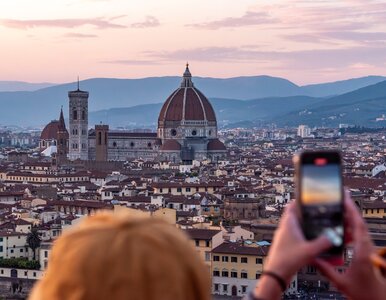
(114, 256)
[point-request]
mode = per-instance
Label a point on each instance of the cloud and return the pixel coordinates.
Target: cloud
(250, 18)
(132, 62)
(99, 23)
(150, 21)
(79, 35)
(301, 59)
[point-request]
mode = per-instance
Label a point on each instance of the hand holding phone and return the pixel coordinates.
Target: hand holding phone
(320, 199)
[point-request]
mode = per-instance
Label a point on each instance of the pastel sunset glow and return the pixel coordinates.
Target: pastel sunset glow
(321, 185)
(303, 41)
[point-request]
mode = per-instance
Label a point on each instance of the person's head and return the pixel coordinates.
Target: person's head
(114, 256)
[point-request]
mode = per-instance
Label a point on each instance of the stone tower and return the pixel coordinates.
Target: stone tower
(101, 142)
(78, 116)
(62, 141)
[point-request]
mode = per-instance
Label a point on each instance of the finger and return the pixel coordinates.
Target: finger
(354, 219)
(318, 245)
(329, 271)
(289, 213)
(361, 237)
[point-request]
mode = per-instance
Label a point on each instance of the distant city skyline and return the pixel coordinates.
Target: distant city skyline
(303, 41)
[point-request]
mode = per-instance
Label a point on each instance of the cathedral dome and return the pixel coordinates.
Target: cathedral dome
(186, 104)
(50, 132)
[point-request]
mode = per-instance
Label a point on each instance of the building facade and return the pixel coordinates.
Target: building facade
(78, 116)
(187, 131)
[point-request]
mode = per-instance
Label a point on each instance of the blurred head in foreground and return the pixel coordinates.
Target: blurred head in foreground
(116, 256)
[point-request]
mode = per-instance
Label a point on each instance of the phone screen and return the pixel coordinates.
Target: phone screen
(321, 196)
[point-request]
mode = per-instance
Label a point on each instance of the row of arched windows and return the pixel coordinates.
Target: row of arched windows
(75, 114)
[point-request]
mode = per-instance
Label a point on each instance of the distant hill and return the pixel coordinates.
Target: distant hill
(227, 111)
(16, 86)
(39, 107)
(360, 107)
(340, 87)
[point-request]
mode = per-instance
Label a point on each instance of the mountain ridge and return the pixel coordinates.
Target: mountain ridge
(39, 107)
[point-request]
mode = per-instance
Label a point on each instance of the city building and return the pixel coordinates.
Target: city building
(187, 131)
(304, 131)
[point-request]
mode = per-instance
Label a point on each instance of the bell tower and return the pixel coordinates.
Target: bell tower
(78, 116)
(62, 140)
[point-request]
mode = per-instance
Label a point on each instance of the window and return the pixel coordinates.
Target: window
(75, 114)
(244, 275)
(21, 250)
(225, 258)
(259, 261)
(225, 287)
(243, 289)
(234, 274)
(11, 250)
(311, 270)
(258, 275)
(1, 248)
(216, 258)
(99, 138)
(2, 271)
(83, 115)
(234, 259)
(216, 287)
(34, 274)
(197, 243)
(244, 260)
(188, 189)
(179, 190)
(25, 273)
(225, 273)
(46, 254)
(216, 273)
(207, 256)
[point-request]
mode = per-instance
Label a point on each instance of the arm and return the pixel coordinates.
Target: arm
(288, 253)
(361, 281)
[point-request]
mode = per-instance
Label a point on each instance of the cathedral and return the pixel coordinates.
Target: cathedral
(187, 131)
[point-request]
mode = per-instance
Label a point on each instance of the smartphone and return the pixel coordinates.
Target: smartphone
(320, 198)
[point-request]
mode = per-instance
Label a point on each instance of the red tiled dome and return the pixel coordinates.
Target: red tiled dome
(170, 145)
(187, 103)
(216, 145)
(50, 132)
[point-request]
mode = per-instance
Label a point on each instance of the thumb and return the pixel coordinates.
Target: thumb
(319, 245)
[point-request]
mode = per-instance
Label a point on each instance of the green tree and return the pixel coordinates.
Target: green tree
(33, 240)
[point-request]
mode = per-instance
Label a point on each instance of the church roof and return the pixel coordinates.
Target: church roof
(170, 145)
(187, 103)
(216, 145)
(50, 132)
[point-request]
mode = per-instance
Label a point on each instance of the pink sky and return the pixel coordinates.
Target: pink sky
(303, 41)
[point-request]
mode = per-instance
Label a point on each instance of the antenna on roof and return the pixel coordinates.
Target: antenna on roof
(78, 82)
